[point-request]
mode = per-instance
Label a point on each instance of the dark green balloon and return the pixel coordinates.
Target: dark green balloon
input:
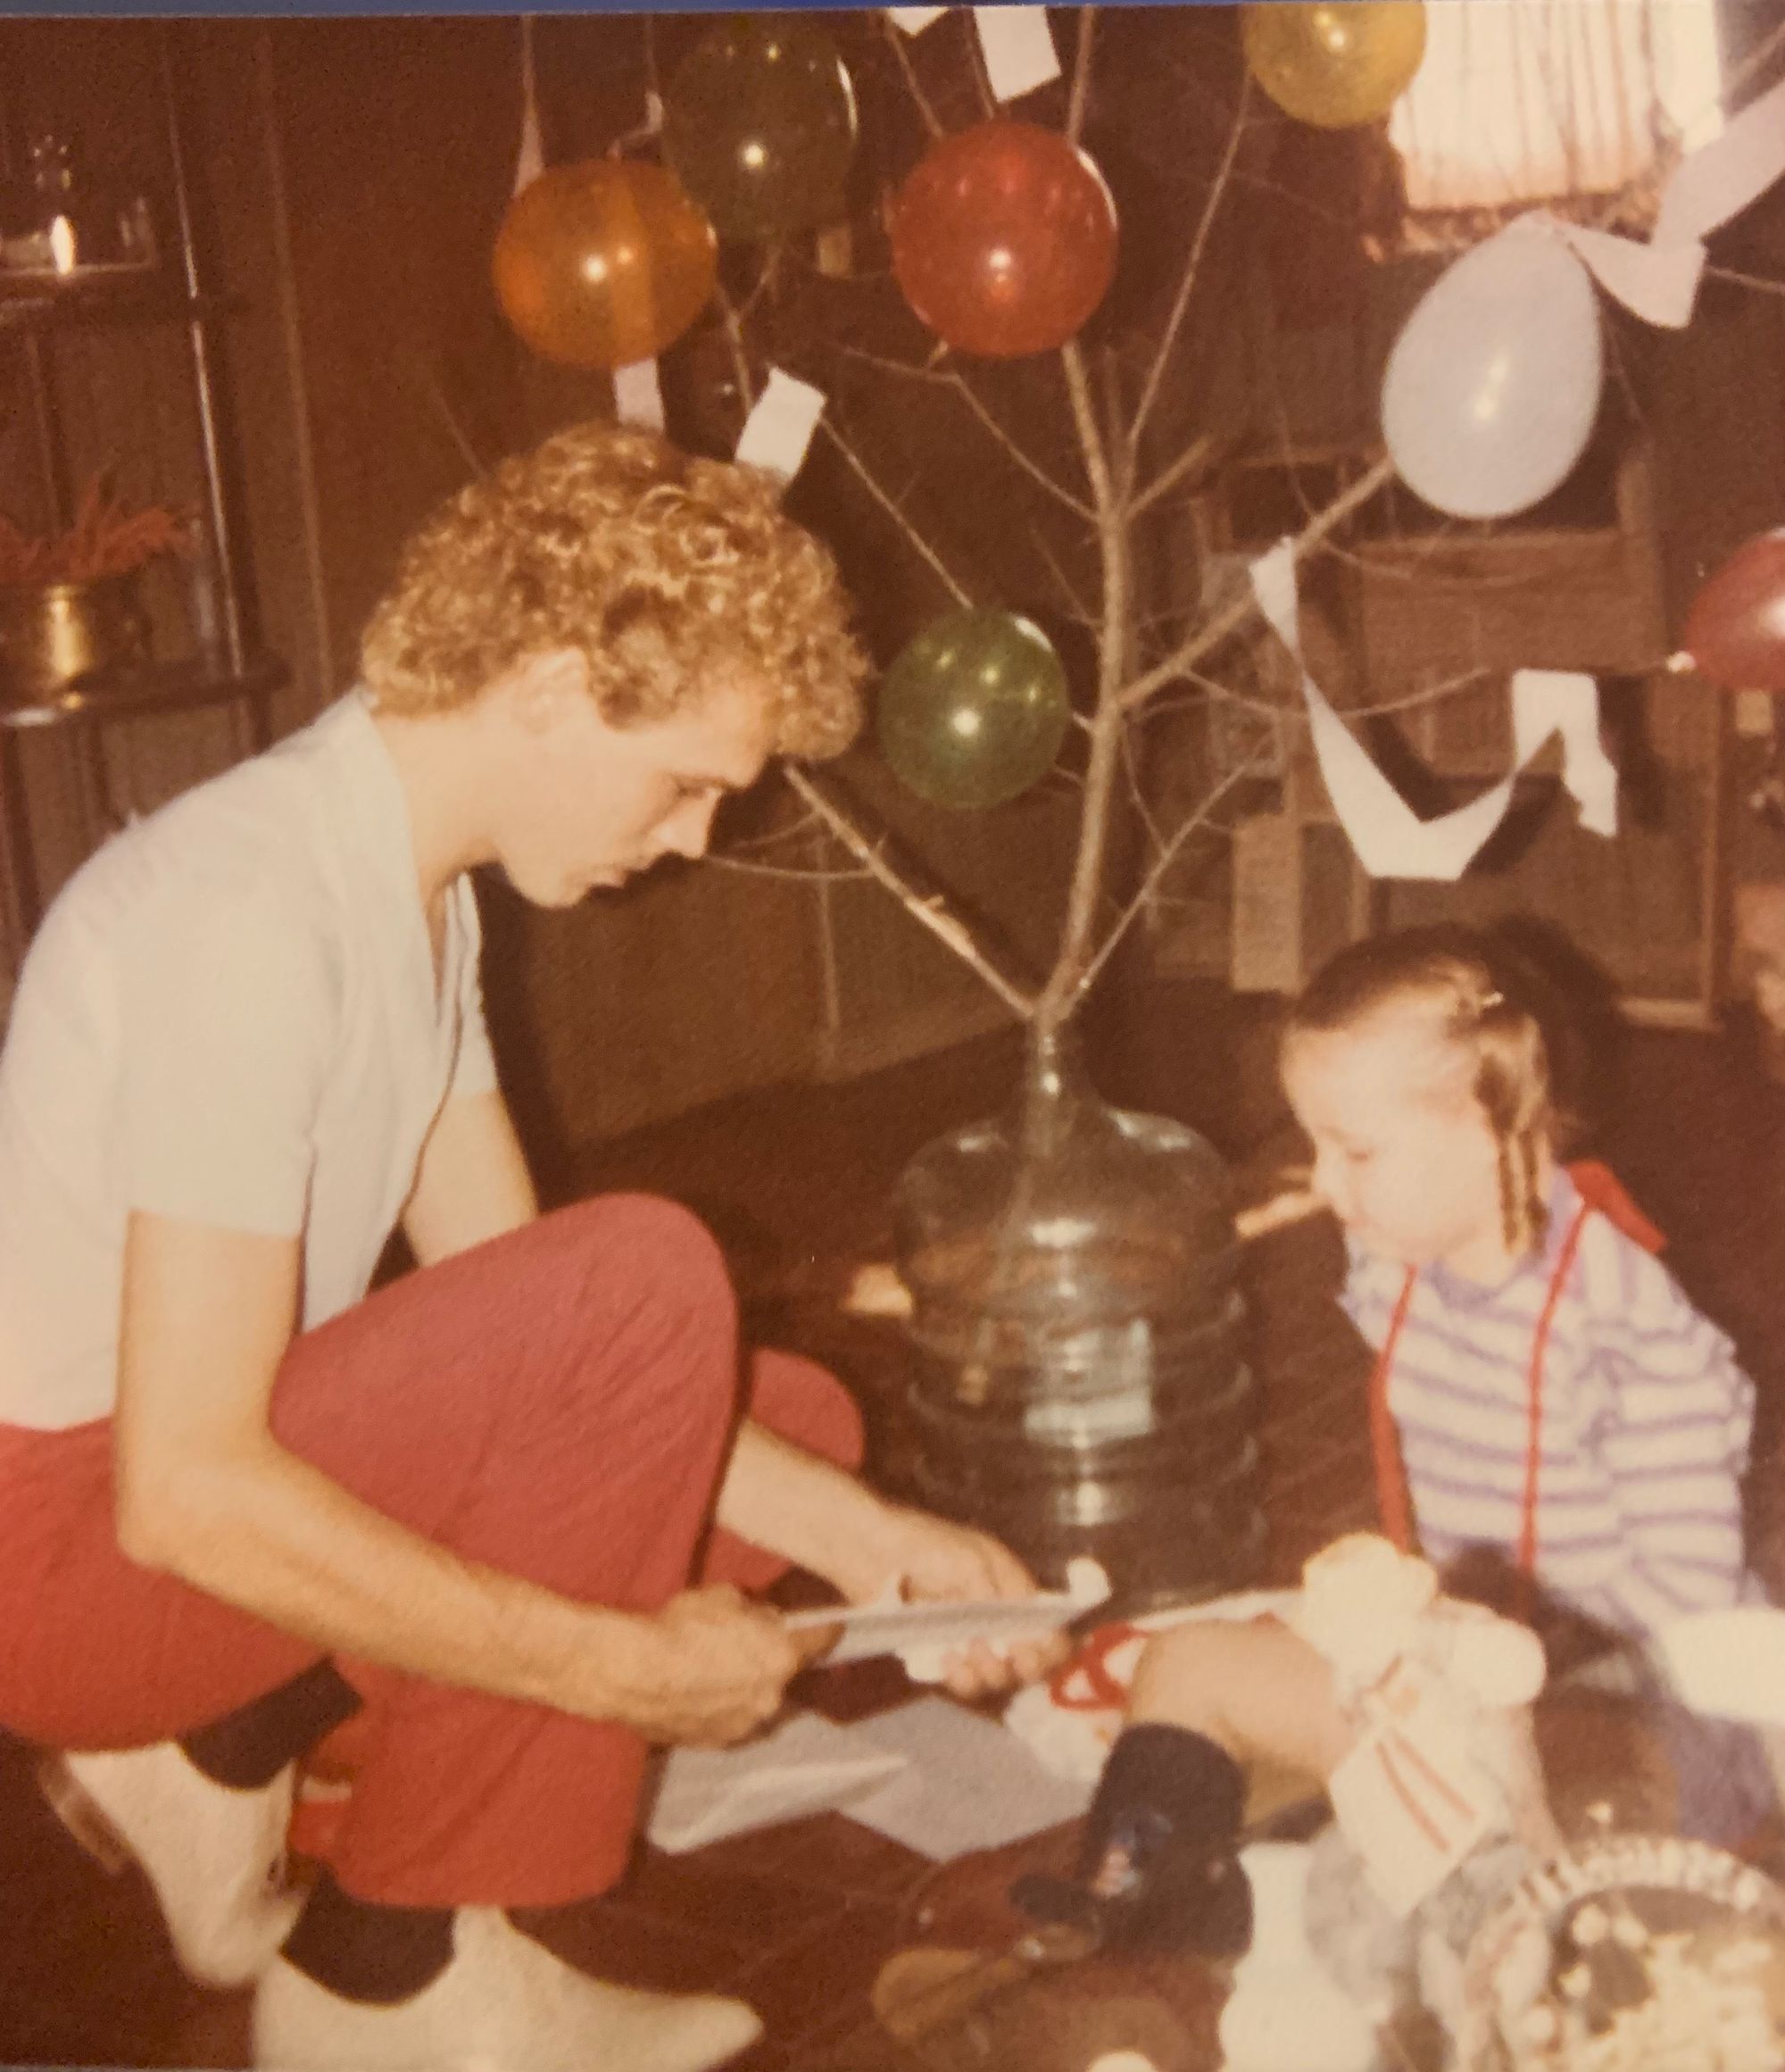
(974, 711)
(758, 123)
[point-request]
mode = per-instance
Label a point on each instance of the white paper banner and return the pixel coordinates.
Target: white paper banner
(780, 425)
(1660, 283)
(637, 398)
(1720, 178)
(1659, 280)
(530, 159)
(914, 21)
(1018, 49)
(1391, 839)
(1554, 701)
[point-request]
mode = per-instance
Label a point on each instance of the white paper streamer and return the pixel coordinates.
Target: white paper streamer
(1018, 49)
(1660, 283)
(1720, 178)
(779, 427)
(1565, 702)
(1659, 280)
(637, 398)
(530, 159)
(1391, 839)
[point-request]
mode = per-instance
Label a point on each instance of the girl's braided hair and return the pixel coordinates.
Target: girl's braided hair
(1486, 999)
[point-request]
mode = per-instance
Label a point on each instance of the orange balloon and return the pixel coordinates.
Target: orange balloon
(1004, 239)
(603, 263)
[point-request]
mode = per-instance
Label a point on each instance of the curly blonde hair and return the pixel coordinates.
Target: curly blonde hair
(667, 574)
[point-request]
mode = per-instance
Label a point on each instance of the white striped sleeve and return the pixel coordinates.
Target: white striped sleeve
(1672, 1435)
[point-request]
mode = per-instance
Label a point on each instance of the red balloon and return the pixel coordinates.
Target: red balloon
(1004, 239)
(1735, 632)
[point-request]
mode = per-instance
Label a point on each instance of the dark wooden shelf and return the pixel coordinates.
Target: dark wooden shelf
(150, 297)
(184, 686)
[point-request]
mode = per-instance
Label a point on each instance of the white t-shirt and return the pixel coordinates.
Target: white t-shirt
(229, 1015)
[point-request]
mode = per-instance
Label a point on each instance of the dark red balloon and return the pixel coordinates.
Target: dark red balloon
(1735, 632)
(1004, 239)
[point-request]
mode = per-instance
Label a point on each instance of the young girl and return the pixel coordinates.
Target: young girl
(1542, 1392)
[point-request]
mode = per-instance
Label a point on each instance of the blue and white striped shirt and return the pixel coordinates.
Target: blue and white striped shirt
(1644, 1428)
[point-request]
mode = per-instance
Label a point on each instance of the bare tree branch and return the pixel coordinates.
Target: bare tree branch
(802, 874)
(895, 36)
(919, 544)
(931, 911)
(1192, 457)
(1180, 301)
(1081, 76)
(953, 379)
(1254, 760)
(1228, 622)
(1102, 767)
(1077, 607)
(1746, 279)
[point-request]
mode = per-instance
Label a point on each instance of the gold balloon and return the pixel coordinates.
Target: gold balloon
(603, 263)
(1334, 63)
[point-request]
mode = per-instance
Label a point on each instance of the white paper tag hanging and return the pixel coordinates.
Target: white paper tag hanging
(637, 398)
(1018, 49)
(779, 427)
(530, 159)
(914, 21)
(1390, 838)
(1659, 280)
(1565, 702)
(1720, 178)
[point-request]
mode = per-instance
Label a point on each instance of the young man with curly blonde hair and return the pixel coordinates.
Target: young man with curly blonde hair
(504, 1508)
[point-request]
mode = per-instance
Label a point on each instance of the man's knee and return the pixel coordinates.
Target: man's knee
(805, 1403)
(662, 1315)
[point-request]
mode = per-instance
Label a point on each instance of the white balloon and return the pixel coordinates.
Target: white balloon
(1493, 385)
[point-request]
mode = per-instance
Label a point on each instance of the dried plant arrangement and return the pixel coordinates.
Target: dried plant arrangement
(107, 538)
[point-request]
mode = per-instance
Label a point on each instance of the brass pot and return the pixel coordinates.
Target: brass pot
(53, 635)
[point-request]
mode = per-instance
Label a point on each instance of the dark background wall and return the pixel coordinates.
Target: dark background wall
(355, 173)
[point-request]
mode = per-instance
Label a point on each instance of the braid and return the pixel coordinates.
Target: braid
(1485, 1008)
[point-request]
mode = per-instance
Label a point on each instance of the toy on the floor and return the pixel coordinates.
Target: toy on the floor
(1629, 1953)
(1439, 1807)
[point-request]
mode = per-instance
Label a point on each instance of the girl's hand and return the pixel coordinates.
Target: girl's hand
(935, 1560)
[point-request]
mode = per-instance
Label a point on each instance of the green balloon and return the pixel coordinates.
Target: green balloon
(758, 123)
(974, 711)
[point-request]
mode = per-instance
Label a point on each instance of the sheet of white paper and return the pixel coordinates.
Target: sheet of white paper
(1018, 49)
(969, 1783)
(1720, 178)
(924, 1634)
(1659, 282)
(806, 1765)
(637, 398)
(914, 21)
(780, 425)
(1729, 1664)
(1391, 839)
(932, 1630)
(530, 159)
(1566, 701)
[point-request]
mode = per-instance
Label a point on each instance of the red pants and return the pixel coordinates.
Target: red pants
(557, 1405)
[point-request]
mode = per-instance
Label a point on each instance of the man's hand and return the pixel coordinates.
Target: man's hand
(710, 1669)
(935, 1559)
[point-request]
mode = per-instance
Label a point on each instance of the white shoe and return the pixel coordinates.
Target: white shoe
(503, 2004)
(215, 1856)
